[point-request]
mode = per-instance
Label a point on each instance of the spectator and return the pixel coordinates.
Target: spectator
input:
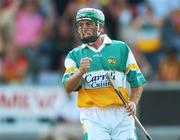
(70, 12)
(7, 12)
(28, 23)
(28, 29)
(14, 65)
(46, 48)
(171, 31)
(60, 6)
(64, 41)
(148, 39)
(125, 16)
(169, 68)
(111, 11)
(47, 9)
(144, 65)
(162, 8)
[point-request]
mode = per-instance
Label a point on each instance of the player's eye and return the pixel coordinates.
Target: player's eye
(80, 25)
(87, 24)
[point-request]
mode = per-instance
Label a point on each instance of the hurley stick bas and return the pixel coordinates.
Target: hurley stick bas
(126, 104)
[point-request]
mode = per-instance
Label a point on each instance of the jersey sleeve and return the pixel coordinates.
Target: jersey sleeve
(133, 72)
(70, 66)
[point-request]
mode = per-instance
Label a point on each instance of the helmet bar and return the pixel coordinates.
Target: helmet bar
(93, 15)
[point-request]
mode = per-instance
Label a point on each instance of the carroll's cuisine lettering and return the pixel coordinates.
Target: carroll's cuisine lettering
(100, 80)
(17, 100)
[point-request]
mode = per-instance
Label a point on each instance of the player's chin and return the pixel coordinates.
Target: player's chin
(87, 35)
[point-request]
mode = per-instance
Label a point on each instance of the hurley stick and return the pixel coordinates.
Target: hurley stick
(113, 84)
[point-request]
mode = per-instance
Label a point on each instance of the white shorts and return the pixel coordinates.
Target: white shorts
(110, 123)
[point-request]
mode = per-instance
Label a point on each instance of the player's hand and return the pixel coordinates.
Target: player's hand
(84, 64)
(131, 108)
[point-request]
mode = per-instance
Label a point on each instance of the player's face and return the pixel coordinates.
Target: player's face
(86, 28)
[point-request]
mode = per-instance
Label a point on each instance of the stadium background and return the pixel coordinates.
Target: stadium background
(36, 35)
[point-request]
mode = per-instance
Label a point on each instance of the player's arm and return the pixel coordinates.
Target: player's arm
(136, 94)
(73, 82)
(134, 99)
(136, 81)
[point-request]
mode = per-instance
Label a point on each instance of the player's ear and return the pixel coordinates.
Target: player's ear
(101, 28)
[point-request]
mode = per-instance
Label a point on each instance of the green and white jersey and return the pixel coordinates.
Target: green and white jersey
(114, 57)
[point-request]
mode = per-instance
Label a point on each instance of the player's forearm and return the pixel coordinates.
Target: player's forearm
(73, 82)
(136, 94)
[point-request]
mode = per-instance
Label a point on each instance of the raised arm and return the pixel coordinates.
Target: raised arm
(73, 82)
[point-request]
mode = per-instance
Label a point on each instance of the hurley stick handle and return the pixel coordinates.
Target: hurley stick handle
(113, 84)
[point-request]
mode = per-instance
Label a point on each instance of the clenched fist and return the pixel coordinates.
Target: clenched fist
(84, 64)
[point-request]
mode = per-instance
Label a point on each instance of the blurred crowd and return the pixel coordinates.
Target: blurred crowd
(36, 35)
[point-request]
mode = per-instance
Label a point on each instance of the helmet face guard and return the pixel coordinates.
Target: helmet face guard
(96, 17)
(90, 37)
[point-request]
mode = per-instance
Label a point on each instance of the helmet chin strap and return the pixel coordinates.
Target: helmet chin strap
(91, 39)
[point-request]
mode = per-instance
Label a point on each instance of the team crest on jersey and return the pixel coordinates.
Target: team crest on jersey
(112, 60)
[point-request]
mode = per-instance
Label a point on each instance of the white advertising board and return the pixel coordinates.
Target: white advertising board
(30, 101)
